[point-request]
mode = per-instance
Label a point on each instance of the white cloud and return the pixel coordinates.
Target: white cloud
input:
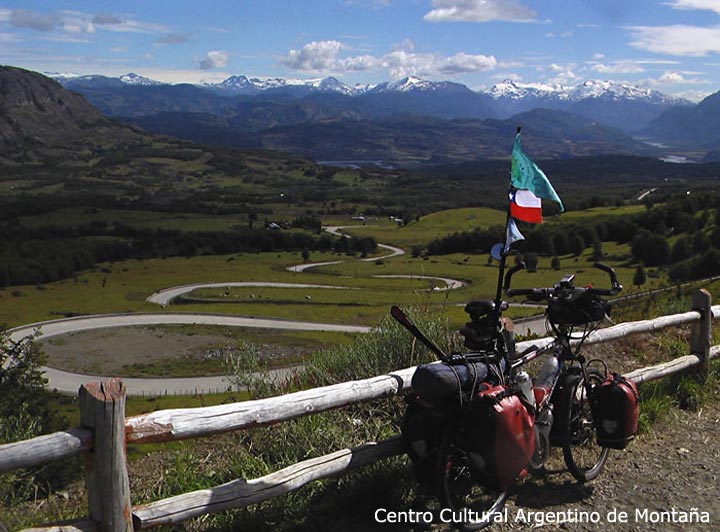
(479, 11)
(214, 59)
(618, 67)
(324, 57)
(315, 56)
(674, 77)
(75, 22)
(679, 39)
(561, 74)
(704, 5)
(462, 62)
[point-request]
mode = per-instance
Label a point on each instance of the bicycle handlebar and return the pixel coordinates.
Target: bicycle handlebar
(564, 288)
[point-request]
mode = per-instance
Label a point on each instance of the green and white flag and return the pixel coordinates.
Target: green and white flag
(525, 175)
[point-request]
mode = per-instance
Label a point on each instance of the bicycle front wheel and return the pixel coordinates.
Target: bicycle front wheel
(469, 504)
(584, 458)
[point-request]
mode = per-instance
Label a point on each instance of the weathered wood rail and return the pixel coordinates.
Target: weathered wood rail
(105, 432)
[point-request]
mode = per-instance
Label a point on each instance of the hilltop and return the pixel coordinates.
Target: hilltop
(37, 113)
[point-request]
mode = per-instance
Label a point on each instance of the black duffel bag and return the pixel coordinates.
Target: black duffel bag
(440, 381)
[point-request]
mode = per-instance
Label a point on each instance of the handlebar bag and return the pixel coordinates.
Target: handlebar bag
(615, 408)
(436, 382)
(582, 309)
(499, 436)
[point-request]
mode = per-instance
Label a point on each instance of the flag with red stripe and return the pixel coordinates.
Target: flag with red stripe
(525, 206)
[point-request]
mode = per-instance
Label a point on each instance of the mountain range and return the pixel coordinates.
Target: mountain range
(613, 104)
(403, 121)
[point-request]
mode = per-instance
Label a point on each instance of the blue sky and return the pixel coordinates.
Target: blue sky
(672, 46)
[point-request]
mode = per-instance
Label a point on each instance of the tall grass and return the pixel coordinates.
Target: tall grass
(339, 504)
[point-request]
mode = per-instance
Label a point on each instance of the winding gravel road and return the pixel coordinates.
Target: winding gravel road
(68, 382)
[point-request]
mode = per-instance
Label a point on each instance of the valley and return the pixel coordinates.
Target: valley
(209, 251)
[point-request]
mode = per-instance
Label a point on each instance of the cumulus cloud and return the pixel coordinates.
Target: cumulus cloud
(678, 39)
(479, 11)
(703, 5)
(214, 59)
(677, 78)
(401, 61)
(315, 56)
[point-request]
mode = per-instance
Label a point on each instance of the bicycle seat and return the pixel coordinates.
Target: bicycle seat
(482, 307)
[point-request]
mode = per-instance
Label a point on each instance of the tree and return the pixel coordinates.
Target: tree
(531, 262)
(577, 245)
(305, 254)
(597, 253)
(640, 278)
(681, 250)
(555, 263)
(23, 409)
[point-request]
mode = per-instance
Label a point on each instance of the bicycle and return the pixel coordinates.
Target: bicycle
(455, 467)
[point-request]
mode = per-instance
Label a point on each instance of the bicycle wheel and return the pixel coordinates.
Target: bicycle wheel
(583, 456)
(473, 505)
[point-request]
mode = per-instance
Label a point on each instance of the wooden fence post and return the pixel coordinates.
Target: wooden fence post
(102, 409)
(701, 338)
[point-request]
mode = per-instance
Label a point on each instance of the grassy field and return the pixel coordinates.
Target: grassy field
(124, 286)
(428, 227)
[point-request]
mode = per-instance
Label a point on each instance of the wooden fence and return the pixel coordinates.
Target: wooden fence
(105, 432)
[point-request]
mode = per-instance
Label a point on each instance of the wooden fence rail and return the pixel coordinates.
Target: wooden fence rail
(106, 431)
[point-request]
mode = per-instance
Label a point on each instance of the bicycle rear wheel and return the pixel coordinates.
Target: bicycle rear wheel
(473, 505)
(584, 458)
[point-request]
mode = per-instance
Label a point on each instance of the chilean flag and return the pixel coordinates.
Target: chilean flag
(525, 206)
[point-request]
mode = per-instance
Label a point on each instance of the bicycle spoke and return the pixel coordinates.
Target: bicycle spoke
(583, 456)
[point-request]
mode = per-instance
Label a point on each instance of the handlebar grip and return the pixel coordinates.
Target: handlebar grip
(537, 294)
(512, 271)
(616, 286)
(602, 291)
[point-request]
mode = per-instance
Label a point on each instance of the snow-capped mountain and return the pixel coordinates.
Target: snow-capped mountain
(607, 90)
(513, 90)
(611, 90)
(135, 79)
(234, 84)
(70, 80)
(243, 84)
(607, 102)
(414, 84)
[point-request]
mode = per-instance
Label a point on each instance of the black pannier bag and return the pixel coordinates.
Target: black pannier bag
(499, 436)
(437, 382)
(615, 408)
(422, 428)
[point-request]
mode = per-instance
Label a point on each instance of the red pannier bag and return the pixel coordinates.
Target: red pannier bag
(615, 407)
(500, 436)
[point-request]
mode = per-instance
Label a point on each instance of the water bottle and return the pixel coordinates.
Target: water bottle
(522, 379)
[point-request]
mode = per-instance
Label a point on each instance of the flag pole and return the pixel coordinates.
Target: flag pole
(503, 255)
